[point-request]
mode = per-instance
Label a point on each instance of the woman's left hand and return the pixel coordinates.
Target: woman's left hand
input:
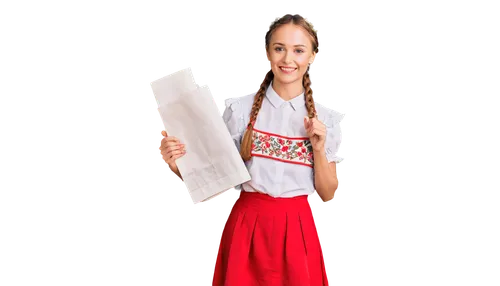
(316, 131)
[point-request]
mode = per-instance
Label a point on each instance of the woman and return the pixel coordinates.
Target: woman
(289, 144)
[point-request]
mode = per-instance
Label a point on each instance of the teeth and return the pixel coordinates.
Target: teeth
(288, 69)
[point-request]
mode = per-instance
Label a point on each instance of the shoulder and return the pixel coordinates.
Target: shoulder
(328, 116)
(242, 103)
(237, 111)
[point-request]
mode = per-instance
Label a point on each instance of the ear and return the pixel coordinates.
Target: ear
(311, 58)
(268, 56)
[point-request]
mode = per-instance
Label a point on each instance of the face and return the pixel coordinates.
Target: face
(290, 52)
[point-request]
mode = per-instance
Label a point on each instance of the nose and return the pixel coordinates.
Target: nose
(288, 57)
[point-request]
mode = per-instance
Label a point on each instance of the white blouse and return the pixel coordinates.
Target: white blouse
(282, 163)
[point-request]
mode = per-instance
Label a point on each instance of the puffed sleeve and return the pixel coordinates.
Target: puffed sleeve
(233, 118)
(333, 136)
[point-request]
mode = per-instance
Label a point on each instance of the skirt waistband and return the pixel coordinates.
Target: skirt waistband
(260, 201)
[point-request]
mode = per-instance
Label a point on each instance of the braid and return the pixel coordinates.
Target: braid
(246, 142)
(308, 93)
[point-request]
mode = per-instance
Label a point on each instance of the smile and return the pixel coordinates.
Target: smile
(287, 70)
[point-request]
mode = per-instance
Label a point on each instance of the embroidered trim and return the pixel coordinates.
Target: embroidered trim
(295, 150)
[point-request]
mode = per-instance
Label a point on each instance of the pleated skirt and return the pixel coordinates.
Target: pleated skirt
(270, 242)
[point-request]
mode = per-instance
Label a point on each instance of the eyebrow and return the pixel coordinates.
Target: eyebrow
(294, 46)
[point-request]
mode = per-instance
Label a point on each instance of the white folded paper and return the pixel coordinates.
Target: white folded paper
(212, 163)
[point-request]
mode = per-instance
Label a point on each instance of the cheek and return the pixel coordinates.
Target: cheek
(275, 58)
(303, 61)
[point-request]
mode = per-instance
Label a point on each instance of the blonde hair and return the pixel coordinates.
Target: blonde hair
(246, 142)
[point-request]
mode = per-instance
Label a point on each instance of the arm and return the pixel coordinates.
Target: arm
(176, 171)
(325, 176)
(326, 162)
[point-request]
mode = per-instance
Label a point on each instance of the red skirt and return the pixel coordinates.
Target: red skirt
(270, 241)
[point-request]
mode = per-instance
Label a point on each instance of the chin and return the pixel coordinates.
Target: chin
(285, 79)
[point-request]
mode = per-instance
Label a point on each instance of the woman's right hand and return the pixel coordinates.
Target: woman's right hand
(171, 149)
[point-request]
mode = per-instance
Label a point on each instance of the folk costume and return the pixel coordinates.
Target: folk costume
(270, 237)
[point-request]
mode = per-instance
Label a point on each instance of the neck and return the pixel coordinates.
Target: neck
(288, 91)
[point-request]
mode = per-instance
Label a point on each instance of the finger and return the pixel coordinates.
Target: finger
(171, 139)
(176, 152)
(309, 131)
(307, 122)
(165, 144)
(312, 124)
(315, 131)
(177, 157)
(167, 149)
(165, 157)
(316, 123)
(318, 132)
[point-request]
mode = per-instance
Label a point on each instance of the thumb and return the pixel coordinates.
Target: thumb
(164, 133)
(307, 122)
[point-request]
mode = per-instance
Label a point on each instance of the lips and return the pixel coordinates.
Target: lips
(288, 69)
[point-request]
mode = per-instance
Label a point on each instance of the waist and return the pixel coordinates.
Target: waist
(264, 201)
(289, 189)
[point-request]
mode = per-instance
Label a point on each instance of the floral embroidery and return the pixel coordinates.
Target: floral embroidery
(295, 150)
